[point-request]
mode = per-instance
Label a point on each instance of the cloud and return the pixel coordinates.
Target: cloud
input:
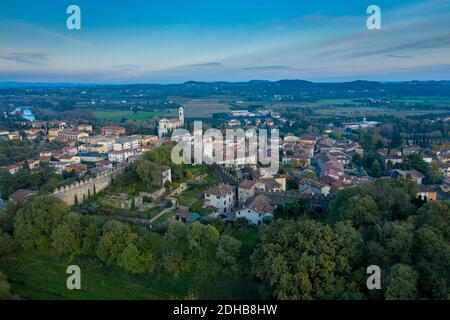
(30, 58)
(264, 68)
(397, 56)
(201, 65)
(436, 42)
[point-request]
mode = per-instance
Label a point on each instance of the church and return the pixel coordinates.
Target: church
(166, 126)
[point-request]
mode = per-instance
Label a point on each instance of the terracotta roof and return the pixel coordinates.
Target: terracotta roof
(260, 204)
(313, 183)
(247, 184)
(221, 190)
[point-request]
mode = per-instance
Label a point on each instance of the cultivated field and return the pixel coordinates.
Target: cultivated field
(204, 108)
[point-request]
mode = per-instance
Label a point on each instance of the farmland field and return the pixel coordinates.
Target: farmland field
(368, 111)
(118, 115)
(204, 108)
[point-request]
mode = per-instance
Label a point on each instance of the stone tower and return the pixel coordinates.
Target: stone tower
(181, 115)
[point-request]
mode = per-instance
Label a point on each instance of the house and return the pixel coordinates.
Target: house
(32, 164)
(85, 127)
(92, 157)
(166, 174)
(407, 151)
(256, 209)
(392, 160)
(78, 168)
(411, 174)
(316, 188)
(105, 164)
(291, 138)
(72, 134)
(99, 148)
(428, 193)
(53, 132)
(445, 169)
(120, 156)
(59, 167)
(70, 151)
(331, 168)
(308, 140)
(70, 159)
(12, 168)
(222, 198)
(14, 136)
(185, 216)
(126, 143)
(113, 130)
(247, 189)
(21, 196)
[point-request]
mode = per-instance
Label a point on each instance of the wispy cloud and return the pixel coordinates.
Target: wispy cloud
(263, 68)
(441, 41)
(201, 65)
(398, 56)
(30, 58)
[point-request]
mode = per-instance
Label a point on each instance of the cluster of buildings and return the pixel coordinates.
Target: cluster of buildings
(250, 199)
(83, 151)
(258, 118)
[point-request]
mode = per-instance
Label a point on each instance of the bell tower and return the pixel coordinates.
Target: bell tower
(181, 115)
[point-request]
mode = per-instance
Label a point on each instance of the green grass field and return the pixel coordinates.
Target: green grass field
(118, 115)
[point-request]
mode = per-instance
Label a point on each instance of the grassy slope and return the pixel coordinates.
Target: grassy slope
(43, 277)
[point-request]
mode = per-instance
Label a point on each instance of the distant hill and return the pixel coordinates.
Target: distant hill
(295, 88)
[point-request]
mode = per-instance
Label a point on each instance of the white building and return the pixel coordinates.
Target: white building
(256, 209)
(168, 125)
(222, 198)
(166, 174)
(120, 156)
(126, 143)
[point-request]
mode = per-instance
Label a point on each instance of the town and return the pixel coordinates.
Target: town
(353, 170)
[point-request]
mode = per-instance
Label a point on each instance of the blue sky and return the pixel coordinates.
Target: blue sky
(174, 41)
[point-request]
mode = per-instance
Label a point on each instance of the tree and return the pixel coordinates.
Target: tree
(202, 240)
(228, 251)
(90, 240)
(66, 238)
(37, 220)
(415, 161)
(297, 260)
(361, 210)
(375, 169)
(175, 263)
(134, 260)
(149, 172)
(115, 239)
(176, 233)
(433, 174)
(402, 283)
(397, 237)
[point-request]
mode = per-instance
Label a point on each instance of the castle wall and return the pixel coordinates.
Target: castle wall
(81, 191)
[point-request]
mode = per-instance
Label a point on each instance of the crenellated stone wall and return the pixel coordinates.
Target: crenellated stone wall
(81, 191)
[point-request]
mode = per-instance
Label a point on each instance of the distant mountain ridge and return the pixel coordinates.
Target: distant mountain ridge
(296, 87)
